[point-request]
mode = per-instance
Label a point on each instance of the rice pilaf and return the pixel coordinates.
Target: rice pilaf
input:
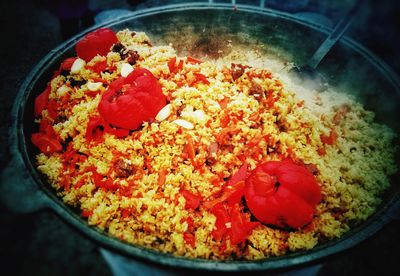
(152, 186)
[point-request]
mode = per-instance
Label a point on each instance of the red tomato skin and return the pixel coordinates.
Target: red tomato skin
(95, 43)
(282, 194)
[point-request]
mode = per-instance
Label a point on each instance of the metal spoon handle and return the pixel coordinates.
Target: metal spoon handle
(334, 36)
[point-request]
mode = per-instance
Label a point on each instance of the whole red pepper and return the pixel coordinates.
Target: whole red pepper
(282, 194)
(130, 101)
(95, 43)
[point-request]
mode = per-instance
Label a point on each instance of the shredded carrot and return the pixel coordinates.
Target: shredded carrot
(228, 191)
(331, 139)
(191, 151)
(86, 213)
(162, 175)
(193, 60)
(224, 102)
(254, 142)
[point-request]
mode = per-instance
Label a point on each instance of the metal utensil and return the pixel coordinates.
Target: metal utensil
(308, 70)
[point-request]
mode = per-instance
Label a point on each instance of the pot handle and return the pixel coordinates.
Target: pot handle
(18, 191)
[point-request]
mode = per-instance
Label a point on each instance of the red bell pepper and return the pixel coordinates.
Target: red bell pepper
(193, 60)
(330, 139)
(98, 67)
(95, 43)
(130, 101)
(99, 181)
(192, 200)
(41, 101)
(189, 239)
(234, 190)
(221, 214)
(67, 63)
(45, 143)
(282, 194)
(200, 78)
(241, 226)
(95, 129)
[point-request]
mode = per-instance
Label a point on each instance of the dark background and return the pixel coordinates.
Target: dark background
(40, 243)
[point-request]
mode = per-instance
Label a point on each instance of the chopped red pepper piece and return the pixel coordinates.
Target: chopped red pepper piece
(41, 101)
(118, 132)
(47, 128)
(189, 147)
(231, 193)
(67, 63)
(95, 43)
(95, 129)
(200, 78)
(98, 67)
(331, 139)
(52, 108)
(190, 239)
(86, 213)
(241, 226)
(45, 143)
(173, 68)
(192, 200)
(283, 194)
(193, 60)
(99, 181)
(162, 176)
(240, 175)
(171, 64)
(221, 214)
(234, 190)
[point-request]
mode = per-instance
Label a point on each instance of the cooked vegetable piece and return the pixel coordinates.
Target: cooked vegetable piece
(95, 43)
(282, 194)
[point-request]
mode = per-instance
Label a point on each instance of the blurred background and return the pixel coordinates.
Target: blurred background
(40, 243)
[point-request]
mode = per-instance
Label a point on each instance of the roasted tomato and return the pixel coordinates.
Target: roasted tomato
(132, 100)
(95, 43)
(282, 194)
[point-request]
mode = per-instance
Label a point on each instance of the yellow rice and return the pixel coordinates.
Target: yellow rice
(352, 173)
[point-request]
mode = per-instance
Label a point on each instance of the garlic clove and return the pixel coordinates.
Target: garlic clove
(94, 86)
(126, 69)
(164, 113)
(77, 66)
(184, 123)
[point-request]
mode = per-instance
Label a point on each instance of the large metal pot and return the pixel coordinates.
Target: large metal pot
(205, 29)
